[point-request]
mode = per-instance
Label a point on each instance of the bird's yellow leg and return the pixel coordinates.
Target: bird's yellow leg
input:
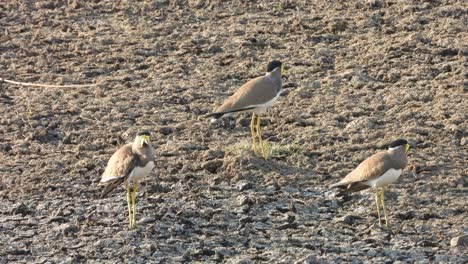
(135, 189)
(127, 187)
(252, 131)
(377, 197)
(382, 199)
(259, 133)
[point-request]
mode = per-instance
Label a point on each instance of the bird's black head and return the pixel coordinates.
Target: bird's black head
(275, 64)
(399, 143)
(143, 133)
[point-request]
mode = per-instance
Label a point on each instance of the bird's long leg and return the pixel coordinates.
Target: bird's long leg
(135, 189)
(252, 131)
(377, 197)
(127, 187)
(382, 199)
(259, 134)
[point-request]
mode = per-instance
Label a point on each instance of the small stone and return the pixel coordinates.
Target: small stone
(244, 261)
(407, 215)
(148, 247)
(243, 185)
(348, 219)
(68, 229)
(292, 225)
(359, 81)
(316, 85)
(20, 208)
(448, 52)
(246, 219)
(214, 49)
(311, 259)
(196, 3)
(103, 243)
(146, 220)
(360, 123)
(463, 141)
(289, 218)
(301, 122)
(271, 189)
(282, 208)
(372, 252)
(213, 154)
(426, 243)
(18, 251)
(244, 200)
(166, 130)
(379, 234)
(212, 165)
(459, 241)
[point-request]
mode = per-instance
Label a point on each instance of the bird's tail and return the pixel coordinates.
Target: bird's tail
(215, 115)
(347, 187)
(110, 186)
(338, 185)
(220, 114)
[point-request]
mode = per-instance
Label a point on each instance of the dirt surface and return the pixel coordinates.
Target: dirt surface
(358, 75)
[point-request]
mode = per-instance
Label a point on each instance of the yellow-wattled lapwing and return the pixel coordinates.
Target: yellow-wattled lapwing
(377, 171)
(129, 164)
(255, 97)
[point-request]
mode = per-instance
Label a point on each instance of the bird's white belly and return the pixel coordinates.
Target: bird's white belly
(139, 172)
(388, 177)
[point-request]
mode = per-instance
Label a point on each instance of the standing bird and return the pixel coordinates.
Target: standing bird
(377, 171)
(129, 164)
(255, 96)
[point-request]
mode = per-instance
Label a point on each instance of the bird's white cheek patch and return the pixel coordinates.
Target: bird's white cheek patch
(388, 177)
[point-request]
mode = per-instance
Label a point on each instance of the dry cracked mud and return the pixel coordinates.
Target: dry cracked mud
(358, 75)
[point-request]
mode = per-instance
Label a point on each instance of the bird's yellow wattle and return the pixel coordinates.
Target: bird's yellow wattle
(144, 137)
(144, 140)
(407, 147)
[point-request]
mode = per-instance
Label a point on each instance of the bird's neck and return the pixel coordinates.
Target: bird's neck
(144, 153)
(276, 74)
(399, 155)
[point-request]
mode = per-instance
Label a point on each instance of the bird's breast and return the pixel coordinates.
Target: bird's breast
(139, 172)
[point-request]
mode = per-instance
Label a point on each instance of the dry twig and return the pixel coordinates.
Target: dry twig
(47, 85)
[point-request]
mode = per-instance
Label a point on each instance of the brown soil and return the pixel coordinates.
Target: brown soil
(358, 75)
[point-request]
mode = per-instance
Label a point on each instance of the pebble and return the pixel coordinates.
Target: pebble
(244, 200)
(348, 219)
(310, 259)
(68, 229)
(20, 208)
(243, 185)
(146, 220)
(212, 165)
(459, 241)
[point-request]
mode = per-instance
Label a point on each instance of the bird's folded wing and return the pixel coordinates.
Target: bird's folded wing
(120, 165)
(370, 169)
(255, 92)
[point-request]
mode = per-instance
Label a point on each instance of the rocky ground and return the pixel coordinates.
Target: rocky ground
(359, 74)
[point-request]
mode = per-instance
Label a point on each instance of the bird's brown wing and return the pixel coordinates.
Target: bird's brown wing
(119, 167)
(255, 92)
(369, 169)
